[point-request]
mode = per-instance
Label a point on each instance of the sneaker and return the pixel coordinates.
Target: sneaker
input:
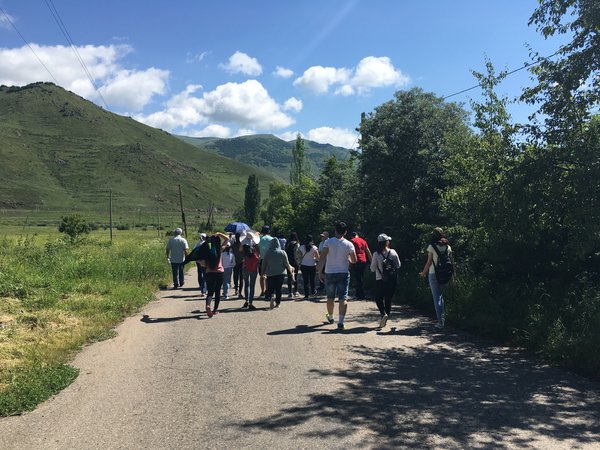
(290, 295)
(272, 304)
(384, 319)
(251, 307)
(215, 313)
(439, 325)
(175, 287)
(226, 297)
(296, 294)
(245, 305)
(240, 296)
(306, 297)
(341, 327)
(277, 305)
(209, 313)
(329, 318)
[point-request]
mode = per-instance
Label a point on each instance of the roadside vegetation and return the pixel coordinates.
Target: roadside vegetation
(58, 294)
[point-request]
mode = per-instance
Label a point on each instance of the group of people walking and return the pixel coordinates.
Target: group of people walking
(334, 262)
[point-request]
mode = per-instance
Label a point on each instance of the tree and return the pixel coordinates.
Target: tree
(74, 226)
(300, 164)
(252, 200)
(568, 86)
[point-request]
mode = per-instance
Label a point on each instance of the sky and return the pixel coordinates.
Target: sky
(238, 67)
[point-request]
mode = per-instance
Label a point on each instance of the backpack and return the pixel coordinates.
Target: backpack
(290, 250)
(388, 271)
(444, 268)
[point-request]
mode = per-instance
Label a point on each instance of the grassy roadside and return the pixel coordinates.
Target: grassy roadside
(56, 296)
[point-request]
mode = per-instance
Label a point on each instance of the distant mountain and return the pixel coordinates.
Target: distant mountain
(268, 151)
(60, 151)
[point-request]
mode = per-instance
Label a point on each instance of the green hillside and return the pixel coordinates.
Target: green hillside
(268, 151)
(60, 152)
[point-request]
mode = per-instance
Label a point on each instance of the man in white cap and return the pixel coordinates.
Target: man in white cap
(177, 250)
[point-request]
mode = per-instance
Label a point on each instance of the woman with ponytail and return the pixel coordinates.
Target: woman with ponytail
(214, 270)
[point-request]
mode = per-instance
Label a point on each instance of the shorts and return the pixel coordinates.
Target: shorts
(336, 285)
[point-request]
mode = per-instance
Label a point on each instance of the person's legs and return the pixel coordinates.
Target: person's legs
(218, 285)
(330, 288)
(343, 284)
(252, 282)
(175, 275)
(262, 280)
(438, 300)
(359, 271)
(181, 273)
(270, 289)
(305, 277)
(239, 279)
(202, 279)
(379, 295)
(389, 289)
(290, 284)
(227, 281)
(211, 282)
(312, 271)
(278, 288)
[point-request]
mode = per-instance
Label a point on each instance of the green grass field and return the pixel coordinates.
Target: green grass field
(56, 296)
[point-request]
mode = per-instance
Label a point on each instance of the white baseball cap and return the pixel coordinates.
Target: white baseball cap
(383, 237)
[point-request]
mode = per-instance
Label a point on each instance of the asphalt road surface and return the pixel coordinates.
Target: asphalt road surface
(282, 378)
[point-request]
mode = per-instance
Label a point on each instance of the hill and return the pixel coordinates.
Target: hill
(60, 151)
(268, 152)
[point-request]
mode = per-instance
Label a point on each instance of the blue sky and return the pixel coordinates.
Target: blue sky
(242, 67)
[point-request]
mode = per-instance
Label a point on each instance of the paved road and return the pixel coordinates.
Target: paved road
(173, 378)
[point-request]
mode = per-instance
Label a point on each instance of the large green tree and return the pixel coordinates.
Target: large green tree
(252, 200)
(300, 167)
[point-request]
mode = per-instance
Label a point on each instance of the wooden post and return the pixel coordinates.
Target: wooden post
(157, 222)
(110, 215)
(182, 213)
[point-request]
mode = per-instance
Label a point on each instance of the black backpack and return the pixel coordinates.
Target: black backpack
(444, 268)
(290, 249)
(388, 271)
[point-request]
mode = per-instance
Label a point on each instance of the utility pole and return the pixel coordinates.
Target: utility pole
(110, 214)
(182, 213)
(157, 222)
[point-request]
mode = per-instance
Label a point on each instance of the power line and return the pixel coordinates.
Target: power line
(507, 74)
(67, 36)
(27, 43)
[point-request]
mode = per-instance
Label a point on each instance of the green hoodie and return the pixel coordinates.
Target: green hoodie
(275, 262)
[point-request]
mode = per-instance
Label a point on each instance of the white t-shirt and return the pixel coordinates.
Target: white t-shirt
(177, 246)
(377, 262)
(337, 255)
(227, 259)
(442, 249)
(308, 257)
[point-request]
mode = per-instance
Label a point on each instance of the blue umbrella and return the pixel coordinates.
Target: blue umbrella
(236, 227)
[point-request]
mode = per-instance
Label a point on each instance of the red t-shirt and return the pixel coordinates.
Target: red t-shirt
(360, 247)
(251, 262)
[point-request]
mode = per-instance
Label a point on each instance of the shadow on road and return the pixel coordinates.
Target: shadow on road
(465, 395)
(147, 319)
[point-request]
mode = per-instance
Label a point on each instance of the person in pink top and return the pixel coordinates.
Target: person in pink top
(357, 270)
(214, 270)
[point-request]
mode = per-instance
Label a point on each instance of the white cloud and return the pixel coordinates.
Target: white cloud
(341, 137)
(133, 90)
(240, 62)
(129, 89)
(214, 130)
(194, 58)
(318, 79)
(292, 104)
(371, 72)
(282, 72)
(288, 135)
(244, 132)
(247, 105)
(5, 21)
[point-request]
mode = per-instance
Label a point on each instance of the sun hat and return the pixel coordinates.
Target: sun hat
(383, 237)
(325, 234)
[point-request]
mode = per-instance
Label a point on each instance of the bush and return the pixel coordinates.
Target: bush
(74, 225)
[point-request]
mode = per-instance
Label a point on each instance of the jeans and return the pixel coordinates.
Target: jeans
(227, 280)
(214, 281)
(249, 285)
(238, 278)
(308, 277)
(384, 292)
(201, 277)
(337, 284)
(177, 269)
(274, 286)
(357, 270)
(438, 300)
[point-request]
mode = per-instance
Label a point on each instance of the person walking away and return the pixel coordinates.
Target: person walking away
(439, 269)
(214, 271)
(263, 246)
(201, 267)
(275, 265)
(308, 254)
(323, 236)
(291, 248)
(238, 272)
(250, 267)
(338, 253)
(357, 270)
(228, 261)
(177, 249)
(385, 264)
